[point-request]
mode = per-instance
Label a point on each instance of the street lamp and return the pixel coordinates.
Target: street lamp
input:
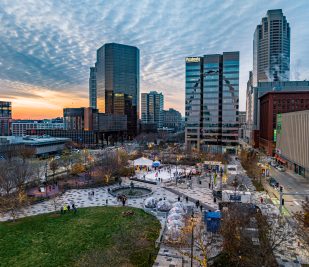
(192, 237)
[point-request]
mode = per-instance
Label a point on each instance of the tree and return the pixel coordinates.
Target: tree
(107, 164)
(54, 166)
(66, 161)
(202, 243)
(77, 168)
(7, 184)
(26, 153)
(302, 218)
(250, 238)
(13, 179)
(38, 170)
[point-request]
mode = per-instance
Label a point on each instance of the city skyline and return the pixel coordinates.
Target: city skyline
(44, 64)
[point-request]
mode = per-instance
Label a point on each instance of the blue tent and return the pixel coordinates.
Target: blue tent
(156, 164)
(212, 220)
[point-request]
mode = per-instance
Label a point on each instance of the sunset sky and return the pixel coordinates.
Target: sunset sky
(47, 47)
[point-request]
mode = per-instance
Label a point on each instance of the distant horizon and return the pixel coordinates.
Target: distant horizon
(44, 64)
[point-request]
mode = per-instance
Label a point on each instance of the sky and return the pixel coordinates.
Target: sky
(47, 47)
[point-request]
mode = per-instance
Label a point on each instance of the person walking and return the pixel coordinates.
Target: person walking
(187, 199)
(74, 208)
(65, 208)
(69, 208)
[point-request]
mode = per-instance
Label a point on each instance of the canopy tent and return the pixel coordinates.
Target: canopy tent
(156, 164)
(143, 162)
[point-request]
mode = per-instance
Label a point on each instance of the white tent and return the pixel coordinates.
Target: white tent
(143, 162)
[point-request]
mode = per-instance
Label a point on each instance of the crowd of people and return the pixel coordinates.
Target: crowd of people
(67, 208)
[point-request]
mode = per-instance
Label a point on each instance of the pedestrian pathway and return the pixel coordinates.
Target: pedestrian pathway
(83, 198)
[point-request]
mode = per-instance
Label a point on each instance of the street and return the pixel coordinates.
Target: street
(292, 183)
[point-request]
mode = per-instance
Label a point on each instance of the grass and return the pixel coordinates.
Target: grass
(99, 236)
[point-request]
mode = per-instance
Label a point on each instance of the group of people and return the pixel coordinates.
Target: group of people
(123, 199)
(67, 208)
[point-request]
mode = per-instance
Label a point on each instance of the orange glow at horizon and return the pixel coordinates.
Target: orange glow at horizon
(48, 104)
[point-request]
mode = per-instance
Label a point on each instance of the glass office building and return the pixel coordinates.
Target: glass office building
(152, 108)
(93, 88)
(212, 96)
(117, 72)
(5, 118)
(271, 48)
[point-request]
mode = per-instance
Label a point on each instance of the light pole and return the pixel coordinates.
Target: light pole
(192, 237)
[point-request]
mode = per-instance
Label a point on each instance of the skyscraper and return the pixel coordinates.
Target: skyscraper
(271, 48)
(117, 73)
(152, 108)
(93, 88)
(212, 102)
(5, 118)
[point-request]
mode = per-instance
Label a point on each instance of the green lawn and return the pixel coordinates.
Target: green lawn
(99, 236)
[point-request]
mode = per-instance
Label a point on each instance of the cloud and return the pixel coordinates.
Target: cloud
(50, 45)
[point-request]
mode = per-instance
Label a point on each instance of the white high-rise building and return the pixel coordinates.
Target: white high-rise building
(271, 48)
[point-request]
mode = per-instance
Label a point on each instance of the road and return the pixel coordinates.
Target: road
(292, 183)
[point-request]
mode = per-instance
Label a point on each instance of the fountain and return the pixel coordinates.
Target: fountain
(131, 191)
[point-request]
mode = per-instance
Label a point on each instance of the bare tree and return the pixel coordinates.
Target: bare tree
(54, 166)
(193, 237)
(26, 153)
(38, 170)
(302, 218)
(12, 185)
(106, 165)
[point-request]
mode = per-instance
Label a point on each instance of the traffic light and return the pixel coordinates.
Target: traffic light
(282, 202)
(281, 189)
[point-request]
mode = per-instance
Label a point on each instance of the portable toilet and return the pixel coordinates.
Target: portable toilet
(212, 220)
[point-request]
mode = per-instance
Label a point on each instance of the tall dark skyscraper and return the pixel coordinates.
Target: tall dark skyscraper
(5, 118)
(117, 81)
(271, 48)
(212, 102)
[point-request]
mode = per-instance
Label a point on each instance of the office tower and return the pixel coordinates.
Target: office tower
(117, 72)
(85, 119)
(5, 118)
(172, 119)
(92, 88)
(212, 102)
(271, 48)
(152, 109)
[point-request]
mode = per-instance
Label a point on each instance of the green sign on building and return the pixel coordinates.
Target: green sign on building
(278, 126)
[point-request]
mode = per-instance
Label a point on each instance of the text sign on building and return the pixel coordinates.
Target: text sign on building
(235, 197)
(193, 59)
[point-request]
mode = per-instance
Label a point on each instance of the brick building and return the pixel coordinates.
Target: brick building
(274, 103)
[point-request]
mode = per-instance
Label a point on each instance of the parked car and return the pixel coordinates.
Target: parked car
(280, 168)
(273, 163)
(273, 182)
(57, 157)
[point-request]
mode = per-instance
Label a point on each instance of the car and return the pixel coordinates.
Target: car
(273, 182)
(280, 168)
(273, 163)
(57, 157)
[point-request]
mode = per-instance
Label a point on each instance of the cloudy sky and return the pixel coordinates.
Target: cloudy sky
(47, 47)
